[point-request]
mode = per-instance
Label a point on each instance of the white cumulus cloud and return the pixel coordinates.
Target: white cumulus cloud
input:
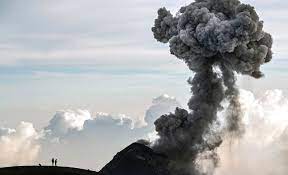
(163, 104)
(20, 145)
(101, 134)
(263, 147)
(66, 120)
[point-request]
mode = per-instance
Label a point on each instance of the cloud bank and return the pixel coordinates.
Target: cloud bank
(19, 145)
(68, 131)
(65, 121)
(263, 147)
(261, 150)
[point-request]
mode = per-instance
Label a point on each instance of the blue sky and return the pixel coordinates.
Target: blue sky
(99, 55)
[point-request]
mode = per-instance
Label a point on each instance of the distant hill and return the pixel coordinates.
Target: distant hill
(44, 170)
(136, 159)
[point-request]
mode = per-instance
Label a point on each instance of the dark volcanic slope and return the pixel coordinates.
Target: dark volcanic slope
(44, 170)
(136, 159)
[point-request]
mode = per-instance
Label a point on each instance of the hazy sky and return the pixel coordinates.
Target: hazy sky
(97, 55)
(101, 56)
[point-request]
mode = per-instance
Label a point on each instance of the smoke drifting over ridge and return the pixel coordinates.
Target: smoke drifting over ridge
(215, 38)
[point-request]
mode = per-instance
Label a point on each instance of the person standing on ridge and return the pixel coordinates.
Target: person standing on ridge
(52, 161)
(55, 162)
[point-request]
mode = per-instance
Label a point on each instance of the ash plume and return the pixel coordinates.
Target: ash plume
(216, 39)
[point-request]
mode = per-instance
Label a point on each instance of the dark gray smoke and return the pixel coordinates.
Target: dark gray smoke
(216, 39)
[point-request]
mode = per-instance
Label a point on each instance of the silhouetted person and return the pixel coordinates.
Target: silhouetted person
(53, 161)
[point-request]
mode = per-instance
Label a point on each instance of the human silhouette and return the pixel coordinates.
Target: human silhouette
(53, 161)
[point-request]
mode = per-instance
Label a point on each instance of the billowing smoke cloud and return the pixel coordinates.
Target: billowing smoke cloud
(263, 147)
(163, 104)
(19, 146)
(215, 38)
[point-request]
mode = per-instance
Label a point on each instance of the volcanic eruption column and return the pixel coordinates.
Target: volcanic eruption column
(215, 38)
